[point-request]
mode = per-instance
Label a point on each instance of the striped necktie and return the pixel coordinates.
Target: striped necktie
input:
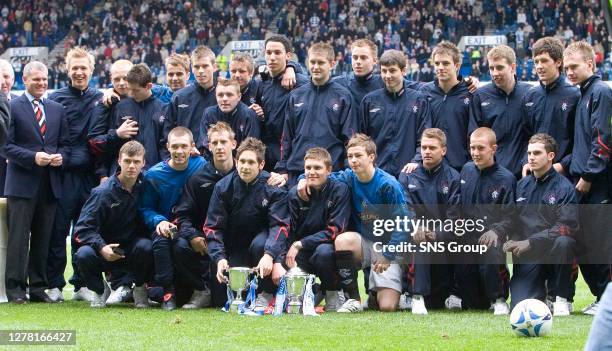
(40, 117)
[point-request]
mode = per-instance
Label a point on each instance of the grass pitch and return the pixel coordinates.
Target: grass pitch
(124, 328)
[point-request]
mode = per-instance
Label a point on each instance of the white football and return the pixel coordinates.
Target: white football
(531, 317)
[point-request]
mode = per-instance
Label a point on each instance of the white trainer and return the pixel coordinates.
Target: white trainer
(55, 294)
(453, 303)
(591, 309)
(97, 301)
(334, 299)
(405, 302)
(350, 306)
(122, 294)
(500, 308)
(418, 305)
(83, 294)
(561, 307)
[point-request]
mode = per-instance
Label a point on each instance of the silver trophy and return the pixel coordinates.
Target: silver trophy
(238, 281)
(296, 282)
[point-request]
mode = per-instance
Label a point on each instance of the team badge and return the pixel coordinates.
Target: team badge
(330, 203)
(415, 109)
(162, 118)
(252, 100)
(466, 101)
(564, 106)
(335, 107)
(494, 194)
(264, 202)
(445, 188)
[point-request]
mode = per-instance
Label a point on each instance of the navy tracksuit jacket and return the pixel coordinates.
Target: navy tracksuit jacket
(317, 116)
(395, 122)
(78, 177)
(432, 194)
(275, 99)
(480, 191)
(551, 109)
(451, 113)
(238, 212)
(242, 119)
(493, 108)
(187, 108)
(547, 214)
(111, 216)
(316, 224)
(150, 115)
(103, 139)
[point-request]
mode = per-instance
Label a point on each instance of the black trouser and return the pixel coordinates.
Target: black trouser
(192, 269)
(432, 281)
(322, 262)
(138, 261)
(536, 280)
(484, 280)
(76, 187)
(595, 237)
(248, 257)
(26, 258)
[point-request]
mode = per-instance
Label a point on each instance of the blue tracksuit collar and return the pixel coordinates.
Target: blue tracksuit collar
(432, 172)
(365, 79)
(453, 90)
(114, 183)
(320, 88)
(77, 92)
(203, 90)
(546, 177)
(318, 193)
(395, 95)
(488, 170)
(552, 86)
(584, 86)
(501, 92)
(231, 114)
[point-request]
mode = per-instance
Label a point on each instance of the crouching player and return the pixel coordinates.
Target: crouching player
(432, 191)
(247, 221)
(372, 189)
(548, 215)
(316, 223)
(110, 230)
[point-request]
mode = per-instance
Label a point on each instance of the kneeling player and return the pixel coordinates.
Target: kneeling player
(370, 187)
(247, 221)
(110, 230)
(432, 190)
(316, 223)
(549, 217)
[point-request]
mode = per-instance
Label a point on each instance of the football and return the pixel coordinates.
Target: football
(531, 317)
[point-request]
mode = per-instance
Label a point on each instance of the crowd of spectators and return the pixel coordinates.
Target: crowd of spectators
(149, 31)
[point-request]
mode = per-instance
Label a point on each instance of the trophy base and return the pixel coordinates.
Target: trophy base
(294, 308)
(234, 305)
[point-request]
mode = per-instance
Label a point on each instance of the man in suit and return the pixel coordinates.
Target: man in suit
(35, 149)
(7, 79)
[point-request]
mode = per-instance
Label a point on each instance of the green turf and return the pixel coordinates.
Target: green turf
(124, 328)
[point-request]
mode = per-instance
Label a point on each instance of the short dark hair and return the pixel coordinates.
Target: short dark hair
(393, 57)
(552, 46)
(550, 144)
(279, 38)
(132, 148)
(140, 74)
(252, 144)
